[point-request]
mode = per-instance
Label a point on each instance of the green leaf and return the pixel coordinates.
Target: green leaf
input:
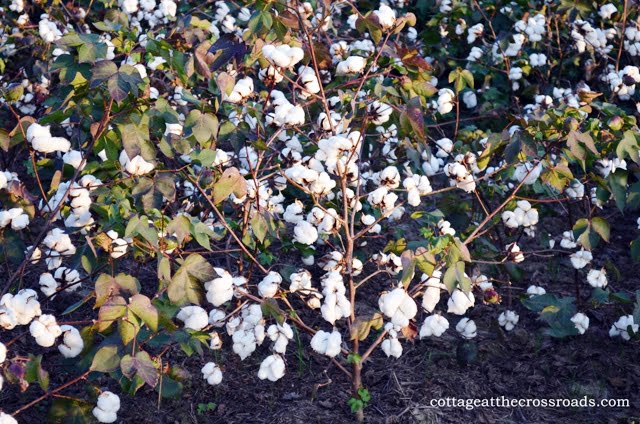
(128, 328)
(34, 372)
(203, 126)
(449, 279)
(271, 309)
(106, 359)
(141, 306)
(141, 366)
(113, 309)
(230, 182)
(628, 147)
(107, 286)
(186, 284)
(71, 411)
(601, 226)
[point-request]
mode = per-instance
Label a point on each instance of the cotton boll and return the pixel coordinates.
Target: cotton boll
(431, 296)
(3, 353)
(459, 302)
(399, 306)
(535, 290)
(607, 10)
(24, 306)
(216, 342)
(272, 368)
(470, 100)
(351, 65)
(269, 285)
(508, 320)
(580, 259)
(305, 233)
(391, 346)
(45, 330)
(6, 418)
(597, 278)
(193, 317)
(386, 17)
(467, 328)
(220, 290)
(107, 407)
(135, 166)
(568, 241)
(581, 321)
(622, 326)
(212, 373)
(72, 343)
(280, 335)
(42, 141)
(434, 325)
(328, 344)
(8, 319)
(216, 318)
(283, 56)
(242, 90)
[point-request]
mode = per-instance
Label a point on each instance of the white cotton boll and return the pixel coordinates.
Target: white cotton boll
(220, 290)
(621, 327)
(107, 407)
(607, 10)
(568, 241)
(6, 418)
(128, 6)
(399, 306)
(475, 54)
(193, 317)
(283, 56)
(45, 330)
(459, 302)
(48, 284)
(351, 65)
(19, 219)
(445, 101)
(24, 306)
(309, 80)
(42, 141)
(580, 259)
(537, 59)
(119, 245)
(305, 233)
(467, 328)
(3, 353)
(514, 252)
(269, 285)
(431, 295)
(581, 321)
(508, 320)
(48, 30)
(391, 346)
(597, 278)
(308, 260)
(293, 212)
(212, 373)
(380, 112)
(386, 17)
(272, 368)
(535, 290)
(470, 100)
(434, 325)
(135, 166)
(515, 73)
(73, 158)
(328, 344)
(216, 317)
(300, 280)
(575, 190)
(241, 91)
(72, 343)
(8, 319)
(244, 343)
(280, 336)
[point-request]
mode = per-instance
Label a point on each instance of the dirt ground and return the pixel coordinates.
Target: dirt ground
(520, 364)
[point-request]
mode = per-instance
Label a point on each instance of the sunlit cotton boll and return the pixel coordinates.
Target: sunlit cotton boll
(399, 306)
(386, 17)
(434, 325)
(72, 343)
(45, 330)
(107, 407)
(280, 336)
(459, 302)
(220, 290)
(272, 368)
(508, 320)
(351, 65)
(269, 285)
(212, 373)
(283, 56)
(581, 321)
(242, 90)
(597, 278)
(445, 101)
(42, 141)
(305, 233)
(327, 343)
(193, 317)
(470, 100)
(535, 290)
(391, 346)
(135, 166)
(467, 328)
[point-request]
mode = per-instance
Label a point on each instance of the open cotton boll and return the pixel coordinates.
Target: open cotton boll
(467, 328)
(72, 343)
(597, 278)
(135, 166)
(193, 317)
(386, 17)
(445, 101)
(119, 245)
(380, 112)
(535, 290)
(568, 241)
(309, 80)
(621, 327)
(269, 285)
(581, 321)
(399, 306)
(434, 325)
(6, 418)
(42, 141)
(508, 320)
(351, 65)
(305, 233)
(327, 343)
(459, 302)
(212, 373)
(242, 90)
(283, 56)
(107, 407)
(580, 259)
(220, 290)
(431, 295)
(45, 330)
(272, 368)
(300, 280)
(216, 318)
(280, 335)
(24, 306)
(3, 353)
